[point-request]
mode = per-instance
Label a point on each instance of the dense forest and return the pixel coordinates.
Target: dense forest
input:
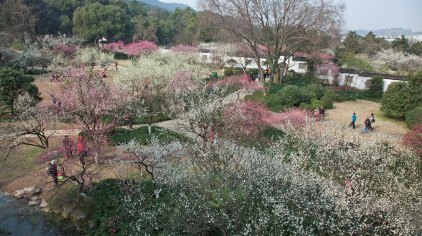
(92, 19)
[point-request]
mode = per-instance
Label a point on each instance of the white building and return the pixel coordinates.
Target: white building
(240, 62)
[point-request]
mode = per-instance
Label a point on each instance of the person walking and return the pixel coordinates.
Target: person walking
(67, 145)
(371, 120)
(322, 111)
(367, 123)
(353, 123)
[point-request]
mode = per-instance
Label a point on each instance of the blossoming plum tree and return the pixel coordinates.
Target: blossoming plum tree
(92, 103)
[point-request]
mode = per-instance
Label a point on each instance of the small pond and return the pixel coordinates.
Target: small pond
(18, 218)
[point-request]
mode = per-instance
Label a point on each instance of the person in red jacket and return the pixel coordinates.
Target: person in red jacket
(82, 149)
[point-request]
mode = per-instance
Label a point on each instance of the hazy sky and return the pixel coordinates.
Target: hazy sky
(372, 14)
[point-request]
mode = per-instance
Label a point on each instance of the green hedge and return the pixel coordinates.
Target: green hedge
(311, 91)
(414, 117)
(290, 96)
(141, 135)
(120, 56)
(144, 119)
(233, 71)
(273, 102)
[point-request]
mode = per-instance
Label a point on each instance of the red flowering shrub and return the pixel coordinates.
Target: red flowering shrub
(248, 117)
(132, 49)
(413, 139)
(140, 48)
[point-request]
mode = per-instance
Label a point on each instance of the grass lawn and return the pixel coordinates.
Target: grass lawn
(342, 114)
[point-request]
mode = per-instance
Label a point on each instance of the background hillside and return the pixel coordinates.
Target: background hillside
(163, 5)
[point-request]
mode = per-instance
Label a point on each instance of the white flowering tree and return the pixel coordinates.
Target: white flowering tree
(93, 56)
(390, 59)
(306, 184)
(147, 78)
(149, 157)
(33, 125)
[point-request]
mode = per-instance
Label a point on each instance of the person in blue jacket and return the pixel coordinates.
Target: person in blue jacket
(353, 121)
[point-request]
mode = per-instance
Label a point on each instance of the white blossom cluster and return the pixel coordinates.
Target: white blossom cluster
(306, 184)
(159, 68)
(397, 61)
(91, 56)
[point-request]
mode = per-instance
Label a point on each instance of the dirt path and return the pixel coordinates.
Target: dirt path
(342, 114)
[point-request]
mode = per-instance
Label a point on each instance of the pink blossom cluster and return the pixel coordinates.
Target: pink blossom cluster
(67, 50)
(115, 46)
(263, 50)
(248, 117)
(132, 49)
(140, 48)
(185, 49)
(182, 81)
(325, 68)
(296, 117)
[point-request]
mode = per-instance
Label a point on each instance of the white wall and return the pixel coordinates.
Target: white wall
(356, 81)
(300, 67)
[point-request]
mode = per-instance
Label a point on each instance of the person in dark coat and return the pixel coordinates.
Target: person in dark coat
(52, 170)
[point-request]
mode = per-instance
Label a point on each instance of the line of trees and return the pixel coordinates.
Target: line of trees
(90, 19)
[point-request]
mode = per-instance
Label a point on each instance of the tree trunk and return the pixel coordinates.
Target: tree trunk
(96, 157)
(278, 75)
(149, 129)
(260, 74)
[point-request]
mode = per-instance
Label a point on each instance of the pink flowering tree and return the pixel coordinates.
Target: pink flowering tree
(295, 117)
(92, 103)
(247, 118)
(245, 84)
(66, 50)
(140, 48)
(132, 49)
(182, 81)
(328, 71)
(114, 46)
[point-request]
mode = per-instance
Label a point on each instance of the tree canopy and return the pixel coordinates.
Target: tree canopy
(95, 20)
(14, 83)
(276, 28)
